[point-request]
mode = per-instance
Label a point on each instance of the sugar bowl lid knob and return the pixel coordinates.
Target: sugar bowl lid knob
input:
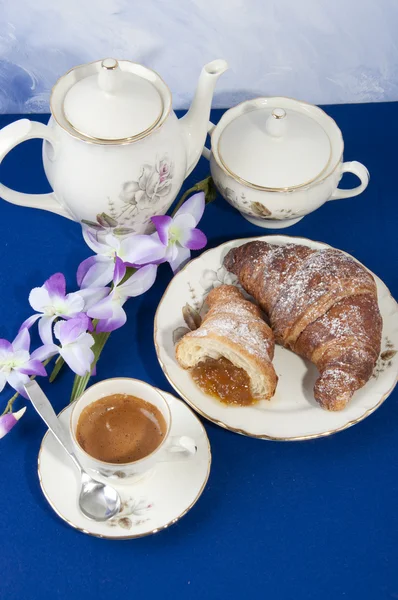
(276, 124)
(109, 75)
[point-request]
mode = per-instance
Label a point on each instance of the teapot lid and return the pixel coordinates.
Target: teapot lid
(274, 148)
(112, 104)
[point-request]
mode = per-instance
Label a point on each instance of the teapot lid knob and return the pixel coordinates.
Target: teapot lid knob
(276, 124)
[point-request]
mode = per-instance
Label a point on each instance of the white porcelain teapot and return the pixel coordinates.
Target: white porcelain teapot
(113, 148)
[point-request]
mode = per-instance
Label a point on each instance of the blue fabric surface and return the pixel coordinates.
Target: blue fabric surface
(307, 520)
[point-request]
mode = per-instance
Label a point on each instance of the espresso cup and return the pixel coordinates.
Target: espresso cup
(170, 448)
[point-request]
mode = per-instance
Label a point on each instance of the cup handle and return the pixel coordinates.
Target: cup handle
(179, 448)
(12, 135)
(361, 172)
(206, 152)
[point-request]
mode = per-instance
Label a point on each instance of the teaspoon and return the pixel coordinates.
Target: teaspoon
(97, 501)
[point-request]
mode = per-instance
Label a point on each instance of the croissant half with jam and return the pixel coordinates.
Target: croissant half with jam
(233, 329)
(322, 304)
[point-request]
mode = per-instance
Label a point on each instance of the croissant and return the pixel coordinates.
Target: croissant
(322, 304)
(233, 329)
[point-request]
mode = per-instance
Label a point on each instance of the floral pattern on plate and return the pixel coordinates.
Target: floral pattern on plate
(132, 513)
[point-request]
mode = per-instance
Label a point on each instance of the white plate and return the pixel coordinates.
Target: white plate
(149, 505)
(292, 414)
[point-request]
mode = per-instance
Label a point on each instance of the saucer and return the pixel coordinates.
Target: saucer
(292, 413)
(149, 505)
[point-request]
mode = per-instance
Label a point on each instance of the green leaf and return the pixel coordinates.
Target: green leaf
(206, 185)
(129, 272)
(59, 363)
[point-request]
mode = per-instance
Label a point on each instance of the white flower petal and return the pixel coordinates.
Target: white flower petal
(22, 341)
(45, 329)
(73, 304)
(17, 381)
(100, 273)
(92, 296)
(44, 352)
(3, 381)
(184, 221)
(181, 257)
(139, 282)
(39, 299)
(194, 206)
(78, 358)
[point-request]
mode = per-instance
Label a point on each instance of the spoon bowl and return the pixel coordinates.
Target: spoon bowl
(97, 501)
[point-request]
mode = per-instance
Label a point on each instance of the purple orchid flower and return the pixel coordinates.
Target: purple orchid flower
(97, 271)
(75, 345)
(109, 311)
(8, 421)
(16, 363)
(51, 301)
(177, 236)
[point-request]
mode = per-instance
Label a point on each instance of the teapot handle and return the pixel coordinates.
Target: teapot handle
(12, 135)
(206, 152)
(361, 172)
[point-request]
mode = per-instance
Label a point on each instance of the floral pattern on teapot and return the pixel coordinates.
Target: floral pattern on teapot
(138, 200)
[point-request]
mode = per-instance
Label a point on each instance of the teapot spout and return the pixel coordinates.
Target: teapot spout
(196, 122)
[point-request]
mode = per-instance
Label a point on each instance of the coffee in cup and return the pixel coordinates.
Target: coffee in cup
(120, 428)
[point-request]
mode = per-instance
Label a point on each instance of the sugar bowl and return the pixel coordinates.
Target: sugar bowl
(278, 159)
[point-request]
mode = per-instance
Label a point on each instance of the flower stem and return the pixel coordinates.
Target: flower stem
(59, 363)
(11, 401)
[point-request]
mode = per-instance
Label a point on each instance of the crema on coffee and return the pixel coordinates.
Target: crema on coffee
(120, 428)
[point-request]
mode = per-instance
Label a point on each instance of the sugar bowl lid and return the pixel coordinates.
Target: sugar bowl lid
(111, 103)
(273, 144)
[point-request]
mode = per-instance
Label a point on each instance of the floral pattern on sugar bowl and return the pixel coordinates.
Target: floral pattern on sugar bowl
(252, 205)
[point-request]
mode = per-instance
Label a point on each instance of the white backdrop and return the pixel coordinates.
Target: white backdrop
(323, 51)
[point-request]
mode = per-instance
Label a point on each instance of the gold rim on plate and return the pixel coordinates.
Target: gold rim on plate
(298, 438)
(140, 535)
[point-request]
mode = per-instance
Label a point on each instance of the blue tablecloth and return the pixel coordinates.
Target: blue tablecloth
(308, 520)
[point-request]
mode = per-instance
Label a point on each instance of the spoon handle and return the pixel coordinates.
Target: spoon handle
(44, 408)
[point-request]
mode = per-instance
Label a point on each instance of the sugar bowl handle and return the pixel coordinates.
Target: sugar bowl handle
(11, 136)
(361, 172)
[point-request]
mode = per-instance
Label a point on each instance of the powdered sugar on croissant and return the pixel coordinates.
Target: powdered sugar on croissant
(322, 304)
